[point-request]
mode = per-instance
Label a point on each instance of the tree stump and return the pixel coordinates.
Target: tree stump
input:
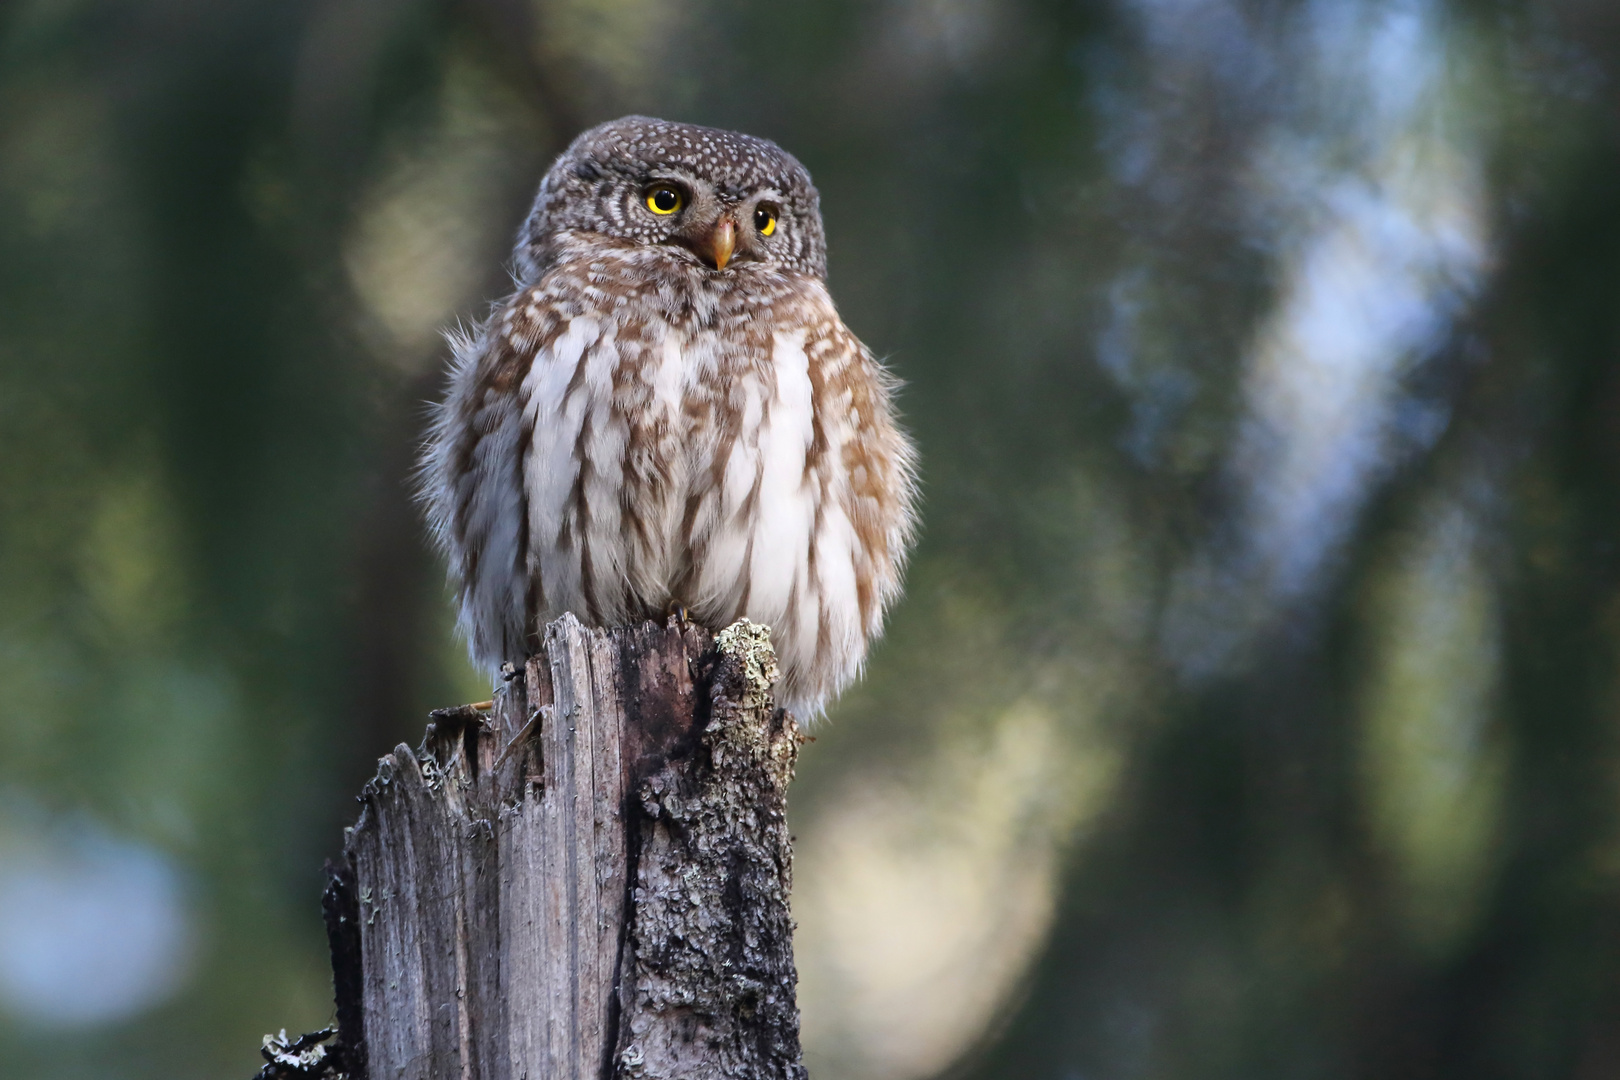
(588, 882)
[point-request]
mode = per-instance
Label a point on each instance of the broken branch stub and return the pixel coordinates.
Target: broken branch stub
(589, 882)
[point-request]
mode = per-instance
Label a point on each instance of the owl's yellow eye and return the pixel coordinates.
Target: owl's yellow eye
(765, 220)
(665, 199)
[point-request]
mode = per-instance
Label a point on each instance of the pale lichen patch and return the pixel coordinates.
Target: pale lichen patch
(750, 643)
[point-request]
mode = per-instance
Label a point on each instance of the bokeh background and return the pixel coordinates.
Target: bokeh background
(1254, 710)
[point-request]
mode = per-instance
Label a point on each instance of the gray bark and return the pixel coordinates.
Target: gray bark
(589, 882)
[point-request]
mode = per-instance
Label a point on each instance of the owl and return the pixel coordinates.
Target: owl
(668, 414)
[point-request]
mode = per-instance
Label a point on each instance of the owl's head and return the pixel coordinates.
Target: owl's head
(719, 199)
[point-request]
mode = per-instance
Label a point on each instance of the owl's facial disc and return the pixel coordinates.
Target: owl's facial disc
(715, 233)
(715, 244)
(705, 220)
(709, 231)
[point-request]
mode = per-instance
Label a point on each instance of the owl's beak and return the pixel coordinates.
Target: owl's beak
(717, 244)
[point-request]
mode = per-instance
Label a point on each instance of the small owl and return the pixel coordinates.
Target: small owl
(669, 414)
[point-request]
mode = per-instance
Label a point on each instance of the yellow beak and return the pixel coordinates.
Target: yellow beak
(720, 242)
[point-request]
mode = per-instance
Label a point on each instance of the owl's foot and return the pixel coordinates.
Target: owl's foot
(678, 610)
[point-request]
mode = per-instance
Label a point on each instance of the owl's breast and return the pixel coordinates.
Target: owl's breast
(618, 441)
(667, 463)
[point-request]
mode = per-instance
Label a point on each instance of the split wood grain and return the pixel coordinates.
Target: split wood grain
(589, 883)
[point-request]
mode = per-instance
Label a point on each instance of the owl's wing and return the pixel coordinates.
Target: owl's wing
(473, 482)
(858, 502)
(869, 464)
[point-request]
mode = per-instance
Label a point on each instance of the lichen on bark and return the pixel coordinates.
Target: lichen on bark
(709, 987)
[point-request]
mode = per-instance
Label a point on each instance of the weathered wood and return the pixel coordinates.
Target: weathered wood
(589, 882)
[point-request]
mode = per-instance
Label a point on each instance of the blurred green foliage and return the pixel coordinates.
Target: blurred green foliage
(1253, 709)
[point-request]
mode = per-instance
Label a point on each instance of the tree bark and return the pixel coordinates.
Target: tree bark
(588, 882)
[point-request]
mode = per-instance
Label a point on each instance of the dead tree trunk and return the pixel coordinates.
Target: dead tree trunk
(589, 882)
